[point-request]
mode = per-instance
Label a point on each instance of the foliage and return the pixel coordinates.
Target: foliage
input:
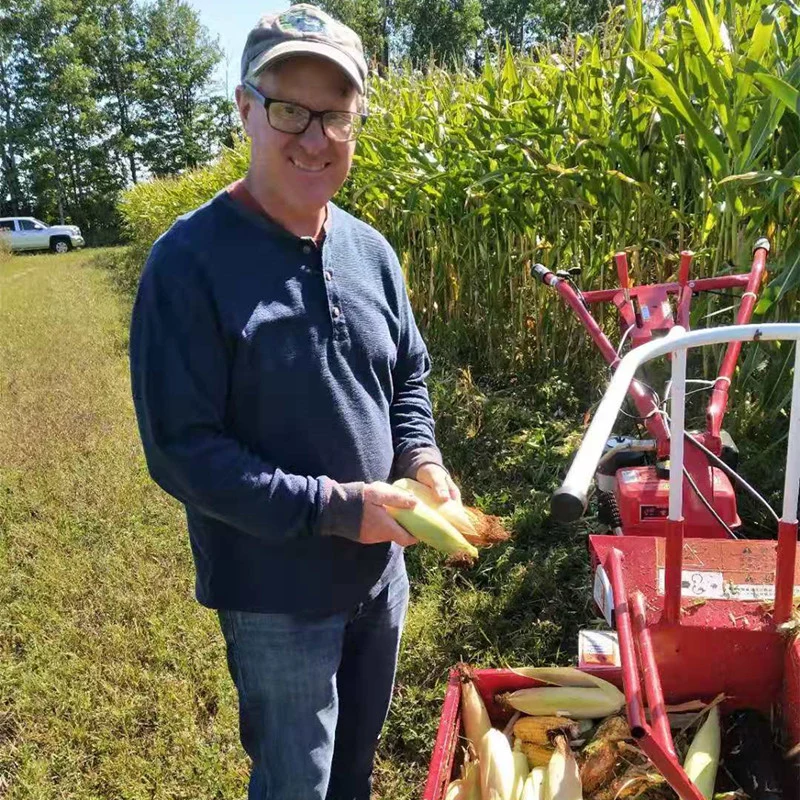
(458, 31)
(113, 682)
(617, 140)
(93, 94)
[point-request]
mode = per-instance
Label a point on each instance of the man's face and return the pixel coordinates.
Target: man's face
(304, 170)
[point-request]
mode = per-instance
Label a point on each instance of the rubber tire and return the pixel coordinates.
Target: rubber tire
(60, 245)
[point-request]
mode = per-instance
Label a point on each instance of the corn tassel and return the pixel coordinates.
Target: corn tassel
(521, 769)
(430, 527)
(536, 729)
(496, 763)
(702, 759)
(473, 711)
(476, 527)
(576, 694)
(563, 779)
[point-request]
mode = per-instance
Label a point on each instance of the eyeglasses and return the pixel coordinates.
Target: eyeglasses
(339, 126)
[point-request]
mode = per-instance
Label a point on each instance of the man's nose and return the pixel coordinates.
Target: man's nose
(313, 139)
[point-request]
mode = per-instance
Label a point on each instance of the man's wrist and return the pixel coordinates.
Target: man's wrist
(343, 510)
(408, 464)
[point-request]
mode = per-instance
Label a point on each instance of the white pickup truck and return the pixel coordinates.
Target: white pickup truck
(28, 233)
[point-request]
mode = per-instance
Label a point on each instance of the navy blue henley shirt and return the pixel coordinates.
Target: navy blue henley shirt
(271, 379)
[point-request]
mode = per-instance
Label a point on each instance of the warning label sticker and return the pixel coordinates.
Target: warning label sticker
(653, 512)
(713, 586)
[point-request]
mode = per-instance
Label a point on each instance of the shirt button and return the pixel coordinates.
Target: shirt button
(306, 249)
(335, 311)
(328, 275)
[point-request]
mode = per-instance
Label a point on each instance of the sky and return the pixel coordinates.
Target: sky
(231, 21)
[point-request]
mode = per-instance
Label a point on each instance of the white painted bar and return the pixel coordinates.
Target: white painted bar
(792, 480)
(579, 476)
(677, 421)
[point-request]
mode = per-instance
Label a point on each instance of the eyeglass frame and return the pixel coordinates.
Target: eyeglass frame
(268, 101)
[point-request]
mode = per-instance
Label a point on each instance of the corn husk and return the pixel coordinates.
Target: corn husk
(563, 778)
(521, 770)
(496, 763)
(600, 755)
(574, 694)
(473, 710)
(430, 527)
(479, 529)
(702, 759)
(533, 788)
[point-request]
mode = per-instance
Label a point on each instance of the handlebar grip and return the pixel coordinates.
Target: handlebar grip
(540, 271)
(567, 505)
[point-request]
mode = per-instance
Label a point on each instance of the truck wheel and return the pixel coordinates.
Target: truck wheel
(60, 245)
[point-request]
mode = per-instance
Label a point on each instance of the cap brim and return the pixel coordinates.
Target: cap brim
(326, 51)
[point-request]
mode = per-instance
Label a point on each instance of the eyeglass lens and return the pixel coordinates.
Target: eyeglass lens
(338, 125)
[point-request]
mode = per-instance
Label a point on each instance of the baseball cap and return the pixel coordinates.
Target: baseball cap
(304, 30)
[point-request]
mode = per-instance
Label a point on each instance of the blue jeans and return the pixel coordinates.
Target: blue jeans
(314, 691)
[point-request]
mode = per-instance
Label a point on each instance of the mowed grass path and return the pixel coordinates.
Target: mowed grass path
(112, 678)
(113, 683)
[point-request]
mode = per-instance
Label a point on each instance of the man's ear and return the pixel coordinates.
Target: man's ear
(244, 103)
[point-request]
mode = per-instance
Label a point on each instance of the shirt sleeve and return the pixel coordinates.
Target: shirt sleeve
(410, 412)
(179, 374)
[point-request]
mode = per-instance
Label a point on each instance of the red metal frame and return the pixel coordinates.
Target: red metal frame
(652, 298)
(644, 311)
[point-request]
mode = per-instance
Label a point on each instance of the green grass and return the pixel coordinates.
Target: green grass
(112, 678)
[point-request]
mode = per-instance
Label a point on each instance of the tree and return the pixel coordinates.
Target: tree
(455, 30)
(183, 125)
(371, 19)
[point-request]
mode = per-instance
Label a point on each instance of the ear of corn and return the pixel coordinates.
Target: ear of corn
(455, 790)
(472, 781)
(533, 789)
(575, 694)
(567, 701)
(536, 729)
(702, 759)
(538, 755)
(563, 779)
(476, 527)
(496, 763)
(521, 770)
(600, 755)
(428, 526)
(473, 710)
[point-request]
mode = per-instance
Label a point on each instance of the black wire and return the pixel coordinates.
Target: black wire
(708, 505)
(719, 294)
(732, 474)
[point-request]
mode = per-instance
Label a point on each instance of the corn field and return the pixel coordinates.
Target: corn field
(649, 136)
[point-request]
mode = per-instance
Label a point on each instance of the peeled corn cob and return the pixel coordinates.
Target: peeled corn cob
(430, 527)
(497, 766)
(702, 759)
(538, 755)
(476, 527)
(536, 729)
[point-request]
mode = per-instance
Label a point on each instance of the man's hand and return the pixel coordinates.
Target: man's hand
(436, 478)
(377, 524)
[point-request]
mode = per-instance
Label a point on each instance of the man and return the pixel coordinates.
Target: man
(279, 383)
